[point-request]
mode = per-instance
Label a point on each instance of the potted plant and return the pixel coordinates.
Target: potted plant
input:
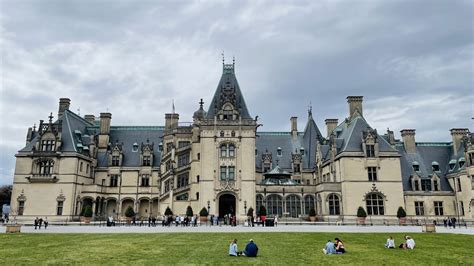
(129, 213)
(361, 215)
(168, 211)
(189, 212)
(312, 215)
(402, 215)
(86, 214)
(203, 215)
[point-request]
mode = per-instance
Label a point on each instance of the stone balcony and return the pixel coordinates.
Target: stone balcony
(42, 178)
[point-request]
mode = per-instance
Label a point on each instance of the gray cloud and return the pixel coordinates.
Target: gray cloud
(412, 60)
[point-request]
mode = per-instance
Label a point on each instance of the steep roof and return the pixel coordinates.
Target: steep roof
(228, 90)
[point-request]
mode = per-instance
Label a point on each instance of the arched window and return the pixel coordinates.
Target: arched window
(275, 205)
(45, 167)
(231, 150)
(223, 150)
(375, 204)
(259, 202)
(334, 205)
(308, 203)
(293, 205)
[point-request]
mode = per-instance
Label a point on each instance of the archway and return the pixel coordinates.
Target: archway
(226, 205)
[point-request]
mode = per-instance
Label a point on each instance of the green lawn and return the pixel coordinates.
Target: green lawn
(211, 248)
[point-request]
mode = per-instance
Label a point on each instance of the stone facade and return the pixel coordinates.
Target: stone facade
(221, 162)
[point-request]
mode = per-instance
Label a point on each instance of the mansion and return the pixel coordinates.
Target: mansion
(222, 162)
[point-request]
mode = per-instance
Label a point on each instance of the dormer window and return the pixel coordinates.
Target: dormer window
(296, 168)
(452, 164)
(302, 151)
(135, 147)
(461, 162)
(435, 166)
(115, 160)
(416, 166)
(221, 134)
(48, 145)
(370, 150)
(146, 160)
(279, 152)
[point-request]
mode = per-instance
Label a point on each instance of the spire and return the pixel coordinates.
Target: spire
(201, 103)
(310, 111)
(51, 118)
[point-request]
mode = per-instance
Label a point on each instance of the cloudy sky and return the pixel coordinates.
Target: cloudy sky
(411, 60)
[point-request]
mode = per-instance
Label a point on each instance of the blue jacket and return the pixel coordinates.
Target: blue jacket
(251, 250)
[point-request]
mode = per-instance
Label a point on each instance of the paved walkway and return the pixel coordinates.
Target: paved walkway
(228, 229)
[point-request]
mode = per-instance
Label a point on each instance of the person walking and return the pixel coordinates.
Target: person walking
(36, 223)
(40, 223)
(46, 223)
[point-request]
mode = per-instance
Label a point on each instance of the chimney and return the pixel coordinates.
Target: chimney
(355, 104)
(171, 120)
(331, 124)
(294, 126)
(457, 134)
(63, 106)
(90, 118)
(104, 130)
(391, 137)
(408, 136)
(29, 135)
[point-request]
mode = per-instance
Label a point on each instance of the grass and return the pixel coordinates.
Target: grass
(211, 248)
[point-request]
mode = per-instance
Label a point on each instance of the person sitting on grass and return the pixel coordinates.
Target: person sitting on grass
(409, 244)
(339, 246)
(330, 248)
(251, 249)
(390, 243)
(233, 250)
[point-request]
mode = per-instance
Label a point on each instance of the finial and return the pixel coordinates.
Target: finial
(201, 103)
(277, 162)
(51, 118)
(310, 110)
(172, 105)
(34, 127)
(233, 60)
(79, 111)
(223, 60)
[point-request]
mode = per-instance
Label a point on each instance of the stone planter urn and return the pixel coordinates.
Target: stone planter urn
(361, 220)
(13, 228)
(86, 220)
(312, 218)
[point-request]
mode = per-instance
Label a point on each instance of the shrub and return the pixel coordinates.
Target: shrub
(129, 212)
(87, 211)
(189, 211)
(262, 211)
(361, 212)
(168, 211)
(401, 212)
(203, 212)
(250, 212)
(312, 212)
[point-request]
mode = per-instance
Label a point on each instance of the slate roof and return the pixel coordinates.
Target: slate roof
(228, 78)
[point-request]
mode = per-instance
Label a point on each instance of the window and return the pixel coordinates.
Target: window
(197, 195)
(417, 185)
(169, 146)
(223, 151)
(80, 166)
(461, 207)
(296, 168)
(435, 167)
(438, 206)
(147, 160)
(167, 186)
(458, 181)
(462, 161)
(375, 204)
(168, 165)
(45, 167)
(266, 167)
(307, 182)
(293, 205)
(275, 205)
(372, 172)
(59, 209)
(21, 207)
(183, 180)
(183, 160)
(145, 181)
(308, 203)
(279, 153)
(416, 167)
(223, 174)
(115, 160)
(197, 178)
(419, 208)
(370, 150)
(182, 197)
(199, 156)
(452, 165)
(435, 185)
(302, 151)
(426, 185)
(232, 134)
(256, 152)
(135, 147)
(259, 202)
(48, 145)
(183, 144)
(221, 134)
(334, 205)
(87, 168)
(471, 158)
(114, 180)
(231, 150)
(231, 175)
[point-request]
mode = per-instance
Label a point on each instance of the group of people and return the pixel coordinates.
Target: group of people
(167, 220)
(251, 249)
(336, 247)
(40, 222)
(450, 221)
(408, 244)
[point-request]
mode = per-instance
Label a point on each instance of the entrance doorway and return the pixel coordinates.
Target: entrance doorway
(226, 205)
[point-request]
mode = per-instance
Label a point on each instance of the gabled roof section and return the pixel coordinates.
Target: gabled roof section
(228, 91)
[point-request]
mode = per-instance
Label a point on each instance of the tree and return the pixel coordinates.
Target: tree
(203, 212)
(5, 194)
(250, 212)
(129, 212)
(361, 212)
(87, 211)
(262, 211)
(168, 211)
(312, 212)
(189, 211)
(401, 213)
